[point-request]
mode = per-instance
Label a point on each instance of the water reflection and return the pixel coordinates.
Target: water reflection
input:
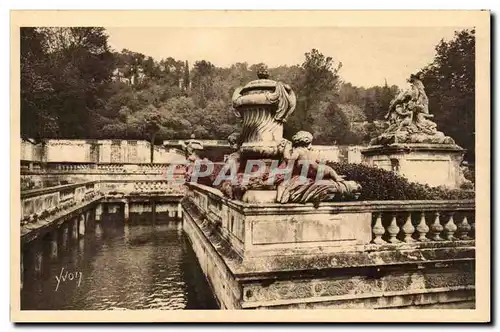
(122, 267)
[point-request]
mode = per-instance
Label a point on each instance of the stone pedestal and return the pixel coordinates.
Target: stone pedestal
(98, 212)
(64, 232)
(432, 164)
(74, 229)
(54, 245)
(81, 226)
(179, 210)
(124, 152)
(126, 213)
(37, 252)
(105, 151)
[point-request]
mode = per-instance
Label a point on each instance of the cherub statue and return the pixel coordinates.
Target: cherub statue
(306, 186)
(234, 143)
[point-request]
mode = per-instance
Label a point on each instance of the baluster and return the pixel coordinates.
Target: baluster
(378, 230)
(408, 229)
(450, 228)
(464, 229)
(436, 228)
(393, 230)
(422, 228)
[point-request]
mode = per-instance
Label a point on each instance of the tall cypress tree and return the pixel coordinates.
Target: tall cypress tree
(186, 75)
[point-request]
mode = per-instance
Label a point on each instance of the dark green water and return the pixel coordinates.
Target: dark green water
(119, 266)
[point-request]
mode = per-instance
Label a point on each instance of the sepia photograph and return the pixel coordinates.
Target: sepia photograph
(170, 167)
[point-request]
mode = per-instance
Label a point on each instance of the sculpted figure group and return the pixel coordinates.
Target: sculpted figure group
(301, 178)
(291, 169)
(408, 118)
(311, 179)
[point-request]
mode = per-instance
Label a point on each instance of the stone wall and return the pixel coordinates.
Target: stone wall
(31, 151)
(376, 254)
(137, 151)
(96, 151)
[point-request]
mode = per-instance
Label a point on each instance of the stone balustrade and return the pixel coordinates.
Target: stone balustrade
(102, 168)
(365, 254)
(447, 222)
(141, 187)
(70, 167)
(113, 168)
(154, 186)
(252, 228)
(39, 204)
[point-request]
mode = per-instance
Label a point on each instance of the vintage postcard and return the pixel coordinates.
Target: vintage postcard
(250, 166)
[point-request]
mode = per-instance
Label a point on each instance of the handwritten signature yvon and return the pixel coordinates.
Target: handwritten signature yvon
(68, 276)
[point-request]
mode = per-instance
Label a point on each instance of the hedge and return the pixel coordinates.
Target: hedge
(379, 184)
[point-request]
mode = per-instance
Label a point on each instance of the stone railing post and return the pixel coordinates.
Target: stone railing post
(393, 229)
(105, 151)
(422, 228)
(436, 228)
(414, 226)
(378, 230)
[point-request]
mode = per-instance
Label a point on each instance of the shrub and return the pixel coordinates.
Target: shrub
(379, 184)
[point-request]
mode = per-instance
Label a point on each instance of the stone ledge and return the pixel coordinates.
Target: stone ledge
(255, 268)
(334, 207)
(439, 297)
(49, 190)
(397, 148)
(33, 231)
(369, 256)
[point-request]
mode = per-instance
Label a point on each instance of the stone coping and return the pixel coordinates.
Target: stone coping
(97, 164)
(31, 231)
(409, 147)
(143, 197)
(49, 190)
(335, 207)
(138, 180)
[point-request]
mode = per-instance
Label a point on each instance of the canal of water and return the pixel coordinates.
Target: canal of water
(121, 266)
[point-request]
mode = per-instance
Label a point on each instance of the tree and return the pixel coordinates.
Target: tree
(186, 76)
(37, 119)
(203, 73)
(78, 65)
(148, 121)
(318, 82)
(338, 129)
(450, 85)
(73, 85)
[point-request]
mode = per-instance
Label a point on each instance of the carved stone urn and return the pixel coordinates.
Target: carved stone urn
(263, 105)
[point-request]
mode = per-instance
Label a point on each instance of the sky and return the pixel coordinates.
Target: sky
(369, 55)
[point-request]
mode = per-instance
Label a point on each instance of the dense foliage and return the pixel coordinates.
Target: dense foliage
(450, 85)
(73, 85)
(379, 184)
